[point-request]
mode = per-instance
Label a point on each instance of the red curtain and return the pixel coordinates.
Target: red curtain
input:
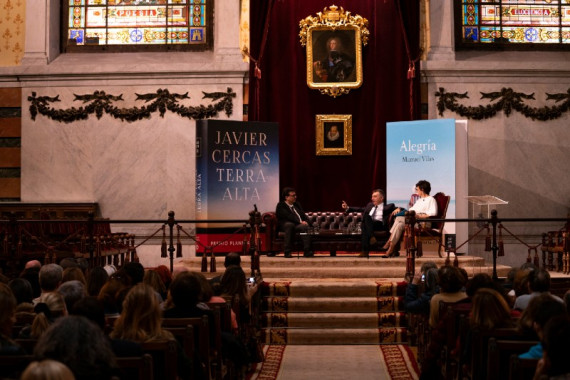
(284, 97)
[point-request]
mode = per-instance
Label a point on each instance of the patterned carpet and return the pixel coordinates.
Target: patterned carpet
(337, 362)
(325, 312)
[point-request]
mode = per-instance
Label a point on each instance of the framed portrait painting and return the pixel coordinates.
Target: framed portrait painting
(334, 50)
(333, 135)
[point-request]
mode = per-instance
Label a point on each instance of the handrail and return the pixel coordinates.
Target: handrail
(492, 222)
(14, 244)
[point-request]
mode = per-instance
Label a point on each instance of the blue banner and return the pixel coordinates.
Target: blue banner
(237, 166)
(416, 150)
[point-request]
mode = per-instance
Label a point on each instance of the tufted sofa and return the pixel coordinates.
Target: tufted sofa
(331, 231)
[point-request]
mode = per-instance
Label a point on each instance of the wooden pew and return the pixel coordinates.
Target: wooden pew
(498, 355)
(12, 366)
(222, 323)
(27, 344)
(201, 331)
(164, 356)
(479, 345)
(456, 322)
(521, 369)
(136, 367)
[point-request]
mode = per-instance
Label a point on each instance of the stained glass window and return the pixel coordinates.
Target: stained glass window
(137, 25)
(517, 23)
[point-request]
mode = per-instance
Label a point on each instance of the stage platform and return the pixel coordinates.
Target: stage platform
(343, 266)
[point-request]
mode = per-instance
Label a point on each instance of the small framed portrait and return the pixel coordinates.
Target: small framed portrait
(334, 135)
(334, 50)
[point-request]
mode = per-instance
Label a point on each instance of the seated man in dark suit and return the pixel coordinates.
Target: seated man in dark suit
(291, 219)
(375, 217)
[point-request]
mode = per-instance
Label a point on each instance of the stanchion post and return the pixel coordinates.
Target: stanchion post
(90, 238)
(494, 246)
(411, 246)
(171, 222)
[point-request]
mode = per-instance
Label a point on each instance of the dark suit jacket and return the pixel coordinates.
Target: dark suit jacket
(285, 214)
(386, 212)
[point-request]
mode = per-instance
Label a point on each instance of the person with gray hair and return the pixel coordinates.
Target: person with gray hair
(72, 291)
(538, 283)
(50, 278)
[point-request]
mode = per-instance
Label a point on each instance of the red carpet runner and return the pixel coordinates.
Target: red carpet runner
(399, 362)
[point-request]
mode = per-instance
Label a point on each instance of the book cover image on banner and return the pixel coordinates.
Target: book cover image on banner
(237, 167)
(416, 150)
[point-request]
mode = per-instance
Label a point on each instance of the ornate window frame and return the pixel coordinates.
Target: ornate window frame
(469, 29)
(68, 8)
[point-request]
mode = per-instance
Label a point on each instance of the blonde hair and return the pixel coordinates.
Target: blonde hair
(141, 318)
(47, 370)
(152, 279)
(56, 308)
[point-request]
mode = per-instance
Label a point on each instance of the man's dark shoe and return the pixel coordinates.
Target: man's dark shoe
(271, 254)
(288, 255)
(308, 254)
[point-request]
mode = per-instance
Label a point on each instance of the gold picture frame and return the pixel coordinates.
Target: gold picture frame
(334, 40)
(333, 135)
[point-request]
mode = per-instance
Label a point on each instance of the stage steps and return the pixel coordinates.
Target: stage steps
(342, 267)
(327, 300)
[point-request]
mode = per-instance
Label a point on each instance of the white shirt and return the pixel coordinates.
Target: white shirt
(378, 215)
(426, 205)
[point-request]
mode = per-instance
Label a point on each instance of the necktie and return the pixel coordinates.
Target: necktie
(374, 213)
(296, 213)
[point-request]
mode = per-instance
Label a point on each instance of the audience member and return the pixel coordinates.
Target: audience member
(24, 294)
(556, 350)
(81, 346)
(83, 264)
(135, 272)
(50, 278)
(451, 282)
(540, 310)
(109, 293)
(33, 264)
(420, 304)
(234, 286)
(72, 291)
(7, 319)
(47, 370)
(73, 274)
(232, 258)
(110, 269)
(152, 279)
(184, 296)
(140, 321)
(538, 283)
(32, 274)
(47, 311)
(490, 310)
(96, 278)
(165, 275)
(68, 262)
(520, 283)
(92, 309)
